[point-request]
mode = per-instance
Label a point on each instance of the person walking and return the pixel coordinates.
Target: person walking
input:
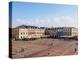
(75, 49)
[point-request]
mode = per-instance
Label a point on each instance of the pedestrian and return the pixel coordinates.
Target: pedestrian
(75, 49)
(22, 50)
(48, 53)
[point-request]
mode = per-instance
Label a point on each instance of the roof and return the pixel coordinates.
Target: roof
(63, 28)
(26, 26)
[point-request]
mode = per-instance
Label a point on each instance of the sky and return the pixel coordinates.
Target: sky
(44, 15)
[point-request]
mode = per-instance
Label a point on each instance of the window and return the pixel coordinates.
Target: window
(21, 36)
(21, 33)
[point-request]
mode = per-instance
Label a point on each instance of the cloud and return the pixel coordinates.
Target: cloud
(65, 21)
(48, 22)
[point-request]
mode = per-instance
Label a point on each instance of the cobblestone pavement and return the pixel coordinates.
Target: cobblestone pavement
(43, 47)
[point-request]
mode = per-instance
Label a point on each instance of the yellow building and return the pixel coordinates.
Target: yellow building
(23, 31)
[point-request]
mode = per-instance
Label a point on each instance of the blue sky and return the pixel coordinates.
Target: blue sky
(44, 15)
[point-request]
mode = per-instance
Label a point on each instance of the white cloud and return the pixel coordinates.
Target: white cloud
(65, 21)
(56, 21)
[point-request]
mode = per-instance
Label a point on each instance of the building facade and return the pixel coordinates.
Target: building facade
(63, 32)
(23, 31)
